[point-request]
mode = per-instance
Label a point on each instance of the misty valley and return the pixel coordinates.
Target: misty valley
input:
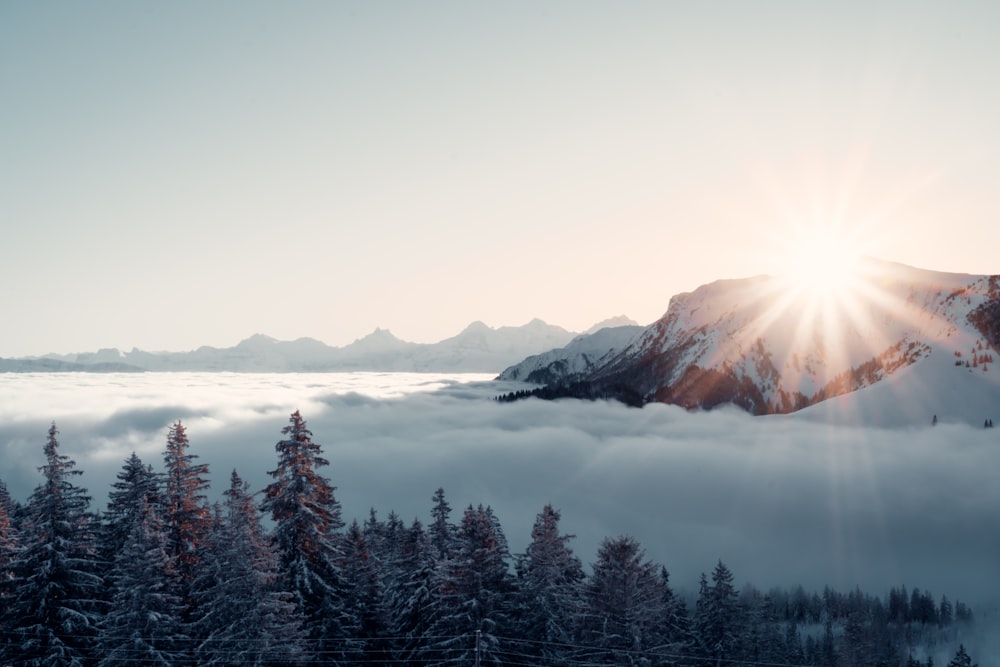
(628, 536)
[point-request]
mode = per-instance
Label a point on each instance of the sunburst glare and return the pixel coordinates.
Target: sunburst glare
(822, 264)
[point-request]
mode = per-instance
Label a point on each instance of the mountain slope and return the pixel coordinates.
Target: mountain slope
(583, 355)
(762, 345)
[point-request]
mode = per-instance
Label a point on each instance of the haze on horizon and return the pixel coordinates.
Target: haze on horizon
(183, 174)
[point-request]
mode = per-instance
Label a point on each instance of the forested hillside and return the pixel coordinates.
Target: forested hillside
(161, 576)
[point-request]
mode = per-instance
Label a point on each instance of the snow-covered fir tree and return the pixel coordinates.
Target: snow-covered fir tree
(623, 611)
(143, 623)
(717, 620)
(413, 596)
(961, 659)
(674, 629)
(307, 525)
(10, 547)
(476, 593)
(137, 492)
(442, 531)
(549, 593)
(762, 640)
(244, 617)
(56, 600)
(364, 597)
(186, 514)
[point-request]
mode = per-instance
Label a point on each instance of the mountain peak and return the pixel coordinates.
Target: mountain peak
(617, 321)
(476, 327)
(257, 341)
(379, 340)
(379, 334)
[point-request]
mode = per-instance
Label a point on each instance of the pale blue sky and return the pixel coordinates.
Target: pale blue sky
(186, 173)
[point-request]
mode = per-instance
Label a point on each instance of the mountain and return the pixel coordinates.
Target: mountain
(581, 356)
(478, 348)
(612, 322)
(57, 366)
(767, 346)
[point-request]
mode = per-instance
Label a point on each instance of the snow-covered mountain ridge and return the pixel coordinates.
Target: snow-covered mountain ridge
(582, 355)
(478, 348)
(762, 345)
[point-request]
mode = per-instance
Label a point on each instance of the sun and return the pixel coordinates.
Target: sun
(820, 297)
(821, 266)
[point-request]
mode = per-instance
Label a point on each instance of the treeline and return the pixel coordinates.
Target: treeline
(163, 577)
(581, 389)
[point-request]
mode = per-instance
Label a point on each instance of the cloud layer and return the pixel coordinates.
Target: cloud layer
(779, 500)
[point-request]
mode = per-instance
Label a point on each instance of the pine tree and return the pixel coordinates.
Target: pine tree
(828, 656)
(794, 653)
(307, 520)
(476, 588)
(56, 597)
(413, 599)
(623, 602)
(136, 493)
(393, 534)
(143, 623)
(549, 578)
(364, 597)
(10, 550)
(717, 616)
(245, 618)
(674, 628)
(443, 533)
(761, 640)
(961, 658)
(945, 615)
(187, 517)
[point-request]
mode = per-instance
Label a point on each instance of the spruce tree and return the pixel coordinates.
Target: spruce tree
(307, 523)
(56, 598)
(244, 617)
(623, 603)
(961, 658)
(674, 628)
(143, 623)
(187, 517)
(442, 532)
(136, 493)
(10, 549)
(476, 592)
(364, 597)
(549, 577)
(718, 620)
(413, 598)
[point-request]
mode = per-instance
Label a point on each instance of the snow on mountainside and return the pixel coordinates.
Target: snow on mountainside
(767, 348)
(583, 354)
(934, 390)
(479, 348)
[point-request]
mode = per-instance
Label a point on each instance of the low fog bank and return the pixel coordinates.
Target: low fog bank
(781, 501)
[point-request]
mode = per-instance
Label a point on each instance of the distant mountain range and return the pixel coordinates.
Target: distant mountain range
(478, 348)
(904, 346)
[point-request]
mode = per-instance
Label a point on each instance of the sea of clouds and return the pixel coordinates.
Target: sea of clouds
(780, 500)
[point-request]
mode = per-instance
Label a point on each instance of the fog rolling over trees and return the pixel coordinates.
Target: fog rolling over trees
(164, 577)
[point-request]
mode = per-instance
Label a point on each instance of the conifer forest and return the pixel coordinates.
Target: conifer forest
(161, 576)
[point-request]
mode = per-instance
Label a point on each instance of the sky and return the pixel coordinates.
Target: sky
(781, 501)
(184, 174)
